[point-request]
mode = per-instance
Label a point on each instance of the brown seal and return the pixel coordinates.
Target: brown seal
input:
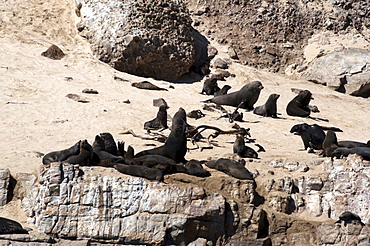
(210, 86)
(159, 122)
(330, 143)
(61, 155)
(195, 168)
(223, 90)
(298, 106)
(140, 171)
(246, 97)
(242, 150)
(8, 226)
(109, 143)
(175, 145)
(269, 109)
(99, 149)
(147, 86)
(85, 156)
(312, 135)
(231, 167)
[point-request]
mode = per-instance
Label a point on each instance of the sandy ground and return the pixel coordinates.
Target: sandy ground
(37, 117)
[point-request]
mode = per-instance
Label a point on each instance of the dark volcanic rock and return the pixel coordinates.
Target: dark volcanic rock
(145, 38)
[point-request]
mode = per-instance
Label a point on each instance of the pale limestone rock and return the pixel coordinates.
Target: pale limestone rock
(4, 184)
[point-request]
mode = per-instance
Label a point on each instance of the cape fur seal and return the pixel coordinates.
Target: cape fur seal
(85, 156)
(146, 85)
(210, 86)
(233, 168)
(109, 143)
(348, 217)
(269, 109)
(159, 122)
(223, 90)
(175, 145)
(61, 155)
(195, 168)
(8, 226)
(312, 135)
(242, 150)
(140, 171)
(298, 106)
(246, 97)
(99, 149)
(364, 152)
(330, 143)
(352, 144)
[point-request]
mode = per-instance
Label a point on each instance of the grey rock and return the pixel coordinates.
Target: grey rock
(220, 63)
(4, 184)
(346, 71)
(145, 38)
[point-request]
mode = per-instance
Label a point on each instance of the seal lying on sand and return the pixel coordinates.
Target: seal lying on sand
(159, 122)
(210, 86)
(233, 168)
(242, 150)
(298, 106)
(269, 109)
(175, 145)
(223, 90)
(61, 155)
(246, 97)
(312, 135)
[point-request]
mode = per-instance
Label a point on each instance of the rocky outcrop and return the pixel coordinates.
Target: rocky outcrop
(347, 70)
(4, 184)
(145, 38)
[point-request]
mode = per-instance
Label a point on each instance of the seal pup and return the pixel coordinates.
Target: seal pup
(233, 168)
(140, 171)
(269, 109)
(195, 168)
(61, 155)
(210, 86)
(85, 156)
(298, 106)
(246, 97)
(159, 122)
(223, 90)
(312, 135)
(8, 226)
(242, 150)
(364, 152)
(330, 143)
(175, 145)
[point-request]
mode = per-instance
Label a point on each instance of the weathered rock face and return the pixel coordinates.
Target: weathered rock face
(122, 209)
(347, 71)
(4, 183)
(145, 38)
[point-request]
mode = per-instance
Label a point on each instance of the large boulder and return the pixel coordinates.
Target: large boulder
(145, 38)
(347, 70)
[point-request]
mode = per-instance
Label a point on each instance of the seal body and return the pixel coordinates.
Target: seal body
(330, 143)
(298, 106)
(312, 135)
(233, 168)
(8, 226)
(140, 171)
(364, 152)
(269, 109)
(109, 143)
(352, 144)
(210, 86)
(223, 90)
(159, 122)
(99, 149)
(175, 145)
(195, 168)
(242, 150)
(246, 97)
(85, 156)
(61, 155)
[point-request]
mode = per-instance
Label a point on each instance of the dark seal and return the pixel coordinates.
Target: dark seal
(8, 226)
(140, 171)
(233, 168)
(330, 143)
(298, 106)
(245, 98)
(175, 145)
(85, 156)
(210, 86)
(159, 122)
(195, 168)
(242, 150)
(364, 152)
(109, 143)
(99, 149)
(223, 90)
(269, 109)
(61, 155)
(312, 135)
